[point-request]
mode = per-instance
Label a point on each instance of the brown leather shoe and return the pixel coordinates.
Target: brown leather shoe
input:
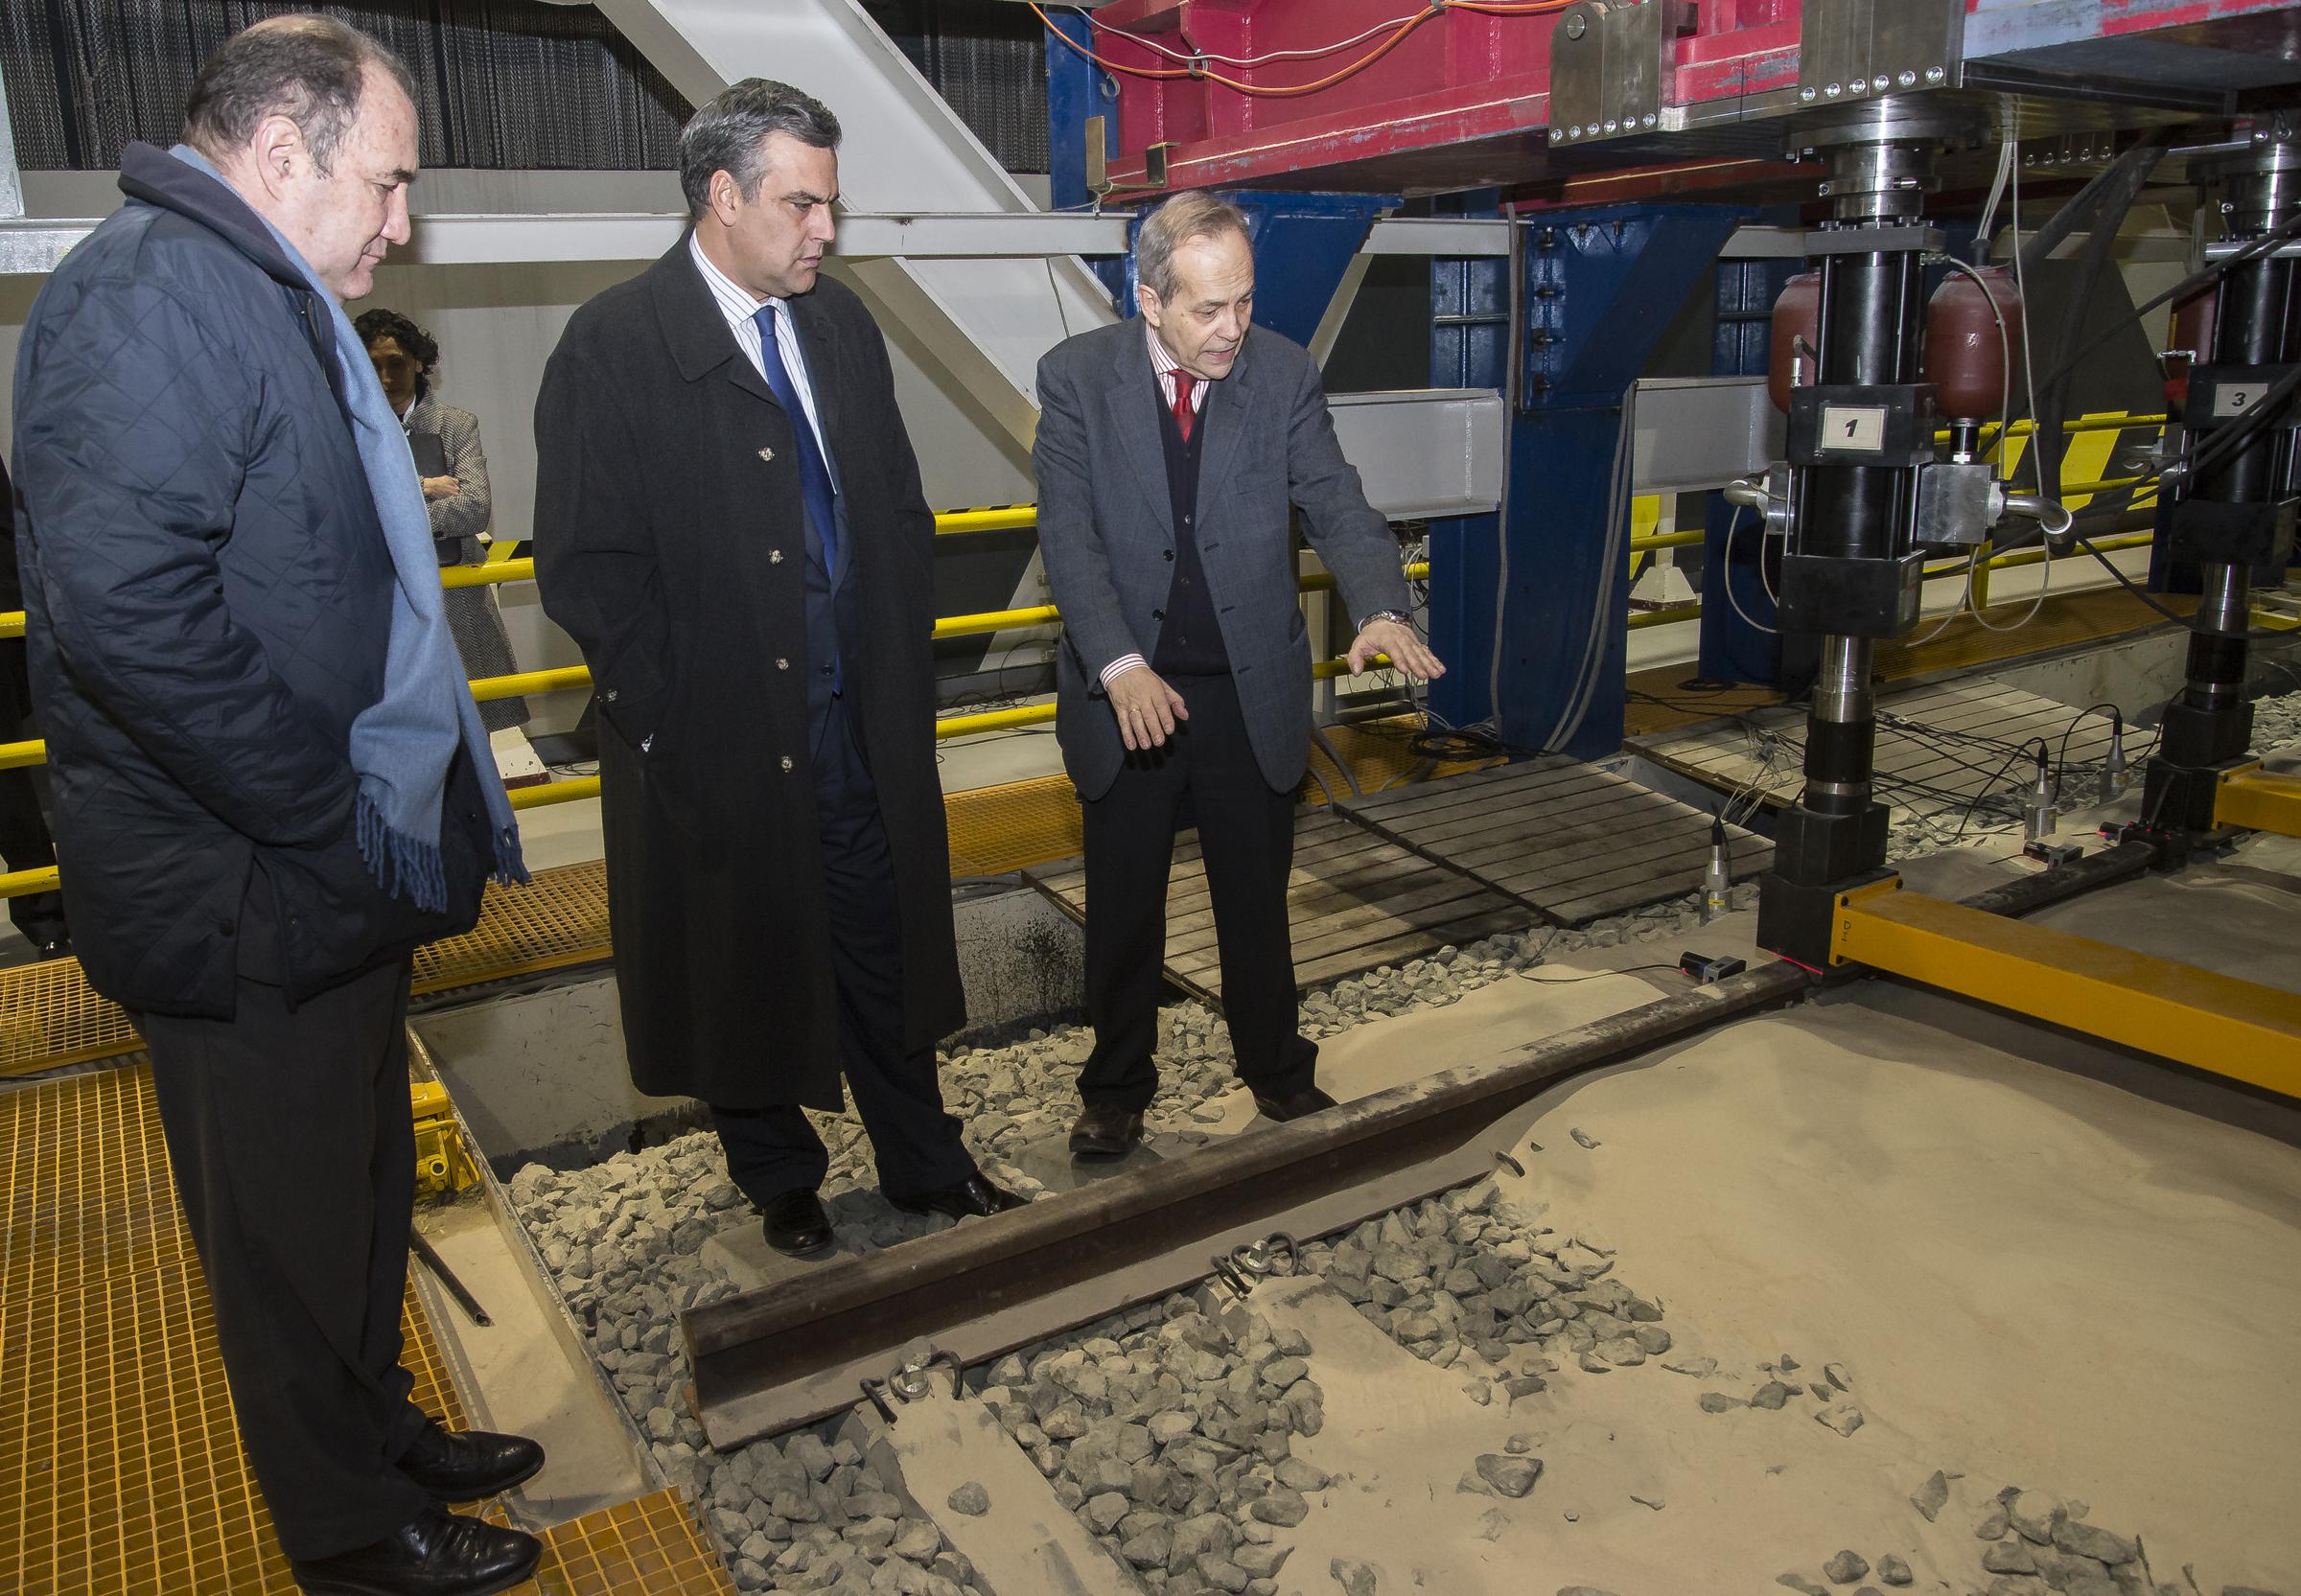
(1106, 1132)
(1293, 1106)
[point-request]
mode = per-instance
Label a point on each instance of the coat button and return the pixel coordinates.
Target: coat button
(1158, 614)
(783, 664)
(1167, 554)
(786, 761)
(613, 695)
(775, 556)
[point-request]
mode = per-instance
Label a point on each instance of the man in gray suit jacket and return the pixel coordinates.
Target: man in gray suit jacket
(1169, 453)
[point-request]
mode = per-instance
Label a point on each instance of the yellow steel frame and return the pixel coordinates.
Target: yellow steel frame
(2214, 1022)
(442, 1166)
(2252, 799)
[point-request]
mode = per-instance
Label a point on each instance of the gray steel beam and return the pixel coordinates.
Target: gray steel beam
(11, 182)
(1426, 453)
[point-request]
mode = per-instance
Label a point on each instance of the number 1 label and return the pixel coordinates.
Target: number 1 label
(1859, 428)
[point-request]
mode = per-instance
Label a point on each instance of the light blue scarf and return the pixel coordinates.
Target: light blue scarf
(403, 744)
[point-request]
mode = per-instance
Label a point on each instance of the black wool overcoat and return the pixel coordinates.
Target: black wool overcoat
(669, 544)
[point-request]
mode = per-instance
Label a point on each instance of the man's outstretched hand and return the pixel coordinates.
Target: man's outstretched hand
(1408, 652)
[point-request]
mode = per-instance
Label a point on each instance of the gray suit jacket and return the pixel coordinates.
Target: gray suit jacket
(1107, 527)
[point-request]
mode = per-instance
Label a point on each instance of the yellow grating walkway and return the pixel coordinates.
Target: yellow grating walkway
(998, 829)
(120, 1468)
(652, 1545)
(120, 1472)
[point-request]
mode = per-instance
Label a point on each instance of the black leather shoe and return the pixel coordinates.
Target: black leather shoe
(797, 1226)
(468, 1465)
(1293, 1106)
(973, 1197)
(1103, 1131)
(440, 1554)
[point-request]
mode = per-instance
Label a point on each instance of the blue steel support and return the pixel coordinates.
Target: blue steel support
(1077, 89)
(1735, 648)
(1470, 348)
(1303, 244)
(1599, 287)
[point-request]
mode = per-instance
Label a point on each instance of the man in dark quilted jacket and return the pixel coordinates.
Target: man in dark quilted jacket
(270, 778)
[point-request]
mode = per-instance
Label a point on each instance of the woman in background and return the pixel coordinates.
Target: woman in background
(445, 442)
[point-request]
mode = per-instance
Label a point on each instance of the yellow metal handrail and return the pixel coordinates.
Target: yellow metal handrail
(1008, 518)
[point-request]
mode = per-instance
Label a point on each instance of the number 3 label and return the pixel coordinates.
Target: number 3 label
(2235, 399)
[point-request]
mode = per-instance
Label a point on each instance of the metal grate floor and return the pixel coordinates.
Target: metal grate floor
(1568, 840)
(121, 1471)
(119, 1467)
(652, 1545)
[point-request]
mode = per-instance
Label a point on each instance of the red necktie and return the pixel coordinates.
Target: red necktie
(1184, 415)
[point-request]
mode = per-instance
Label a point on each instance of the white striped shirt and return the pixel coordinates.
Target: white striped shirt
(739, 306)
(1164, 367)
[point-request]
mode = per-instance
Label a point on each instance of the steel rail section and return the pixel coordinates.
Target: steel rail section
(796, 1351)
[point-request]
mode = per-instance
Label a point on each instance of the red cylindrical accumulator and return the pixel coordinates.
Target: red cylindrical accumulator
(1964, 359)
(1796, 314)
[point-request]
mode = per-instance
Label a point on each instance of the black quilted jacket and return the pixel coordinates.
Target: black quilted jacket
(208, 598)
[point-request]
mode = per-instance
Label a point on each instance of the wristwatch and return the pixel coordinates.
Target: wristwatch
(1398, 615)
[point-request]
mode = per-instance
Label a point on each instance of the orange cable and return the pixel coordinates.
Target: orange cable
(1436, 8)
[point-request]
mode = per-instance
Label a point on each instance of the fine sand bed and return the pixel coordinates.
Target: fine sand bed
(2029, 1277)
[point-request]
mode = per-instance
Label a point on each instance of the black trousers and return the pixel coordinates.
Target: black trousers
(295, 1158)
(897, 1094)
(1247, 837)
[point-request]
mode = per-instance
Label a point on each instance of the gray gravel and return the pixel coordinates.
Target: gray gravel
(2042, 1542)
(1168, 1432)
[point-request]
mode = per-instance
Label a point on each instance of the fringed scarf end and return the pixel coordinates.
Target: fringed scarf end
(404, 864)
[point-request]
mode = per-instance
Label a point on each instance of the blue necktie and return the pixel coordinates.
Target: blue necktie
(814, 476)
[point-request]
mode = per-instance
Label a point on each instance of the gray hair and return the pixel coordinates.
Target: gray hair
(725, 135)
(1194, 214)
(310, 69)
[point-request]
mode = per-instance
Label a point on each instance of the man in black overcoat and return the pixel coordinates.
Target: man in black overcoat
(730, 522)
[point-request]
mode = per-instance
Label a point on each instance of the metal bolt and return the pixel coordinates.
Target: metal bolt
(1935, 75)
(1879, 83)
(1907, 79)
(1576, 25)
(1612, 126)
(1648, 120)
(1834, 90)
(1806, 95)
